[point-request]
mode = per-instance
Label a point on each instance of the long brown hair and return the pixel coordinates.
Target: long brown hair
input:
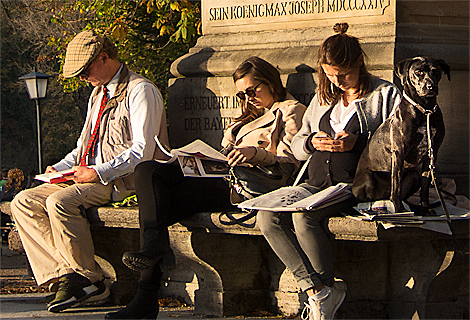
(262, 71)
(342, 51)
(14, 175)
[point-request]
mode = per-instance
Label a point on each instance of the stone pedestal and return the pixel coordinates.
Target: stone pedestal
(287, 34)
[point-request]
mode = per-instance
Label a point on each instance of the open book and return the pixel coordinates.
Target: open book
(291, 199)
(56, 177)
(198, 159)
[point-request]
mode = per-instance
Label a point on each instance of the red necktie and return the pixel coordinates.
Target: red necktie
(90, 148)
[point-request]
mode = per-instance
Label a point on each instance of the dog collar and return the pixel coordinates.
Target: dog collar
(424, 111)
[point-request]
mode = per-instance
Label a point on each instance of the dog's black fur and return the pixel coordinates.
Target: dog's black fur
(395, 163)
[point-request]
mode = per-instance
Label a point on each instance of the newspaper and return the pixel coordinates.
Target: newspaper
(383, 210)
(291, 199)
(198, 159)
(384, 213)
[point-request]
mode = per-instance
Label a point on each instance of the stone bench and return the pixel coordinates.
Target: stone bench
(230, 270)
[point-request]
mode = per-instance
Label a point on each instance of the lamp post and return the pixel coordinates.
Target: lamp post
(36, 84)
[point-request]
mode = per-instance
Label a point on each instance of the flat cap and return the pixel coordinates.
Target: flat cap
(80, 51)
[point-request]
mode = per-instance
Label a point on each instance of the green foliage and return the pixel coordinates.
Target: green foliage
(149, 34)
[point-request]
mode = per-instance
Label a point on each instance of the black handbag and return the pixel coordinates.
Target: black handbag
(250, 182)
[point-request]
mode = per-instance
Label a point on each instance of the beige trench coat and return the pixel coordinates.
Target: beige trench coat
(271, 133)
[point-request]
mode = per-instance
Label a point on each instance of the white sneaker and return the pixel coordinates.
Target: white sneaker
(326, 308)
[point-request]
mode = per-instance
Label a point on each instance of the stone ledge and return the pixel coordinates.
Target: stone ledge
(341, 228)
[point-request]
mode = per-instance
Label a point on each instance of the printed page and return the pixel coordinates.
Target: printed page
(213, 168)
(189, 166)
(196, 148)
(195, 166)
(291, 199)
(277, 200)
(330, 195)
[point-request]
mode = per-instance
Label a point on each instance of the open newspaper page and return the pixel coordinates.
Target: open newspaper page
(291, 199)
(198, 159)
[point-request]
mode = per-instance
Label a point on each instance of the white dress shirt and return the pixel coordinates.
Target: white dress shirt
(144, 100)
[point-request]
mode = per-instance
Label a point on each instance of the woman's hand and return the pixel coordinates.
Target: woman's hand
(342, 142)
(241, 155)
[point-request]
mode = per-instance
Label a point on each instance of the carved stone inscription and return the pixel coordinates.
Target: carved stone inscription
(203, 108)
(264, 14)
(225, 106)
(291, 8)
(200, 108)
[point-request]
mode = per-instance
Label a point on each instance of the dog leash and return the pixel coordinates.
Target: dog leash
(432, 167)
(428, 114)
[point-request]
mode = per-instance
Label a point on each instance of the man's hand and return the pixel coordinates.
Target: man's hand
(50, 169)
(85, 175)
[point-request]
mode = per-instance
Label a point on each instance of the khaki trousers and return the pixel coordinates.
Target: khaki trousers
(54, 230)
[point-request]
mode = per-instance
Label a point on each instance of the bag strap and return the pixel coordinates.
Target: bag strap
(302, 171)
(240, 221)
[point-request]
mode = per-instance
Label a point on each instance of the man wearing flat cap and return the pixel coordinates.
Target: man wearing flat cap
(125, 112)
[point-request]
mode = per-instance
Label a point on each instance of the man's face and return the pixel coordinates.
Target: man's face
(95, 72)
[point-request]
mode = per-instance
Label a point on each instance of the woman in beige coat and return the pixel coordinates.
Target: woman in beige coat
(262, 135)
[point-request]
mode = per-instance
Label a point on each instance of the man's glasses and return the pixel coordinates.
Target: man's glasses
(250, 92)
(86, 71)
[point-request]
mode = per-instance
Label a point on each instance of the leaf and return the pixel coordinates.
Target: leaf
(175, 6)
(150, 6)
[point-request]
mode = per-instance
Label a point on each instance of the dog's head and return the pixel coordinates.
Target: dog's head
(420, 76)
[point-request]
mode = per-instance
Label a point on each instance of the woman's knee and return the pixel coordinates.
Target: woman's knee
(305, 222)
(267, 221)
(149, 171)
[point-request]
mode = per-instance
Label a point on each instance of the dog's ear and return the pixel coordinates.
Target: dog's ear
(401, 68)
(445, 67)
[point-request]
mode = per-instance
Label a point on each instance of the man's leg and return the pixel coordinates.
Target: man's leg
(58, 240)
(28, 209)
(72, 237)
(70, 227)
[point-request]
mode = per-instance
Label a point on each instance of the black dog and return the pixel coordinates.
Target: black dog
(395, 163)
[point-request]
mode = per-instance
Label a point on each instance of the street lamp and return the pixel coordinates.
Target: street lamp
(36, 84)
